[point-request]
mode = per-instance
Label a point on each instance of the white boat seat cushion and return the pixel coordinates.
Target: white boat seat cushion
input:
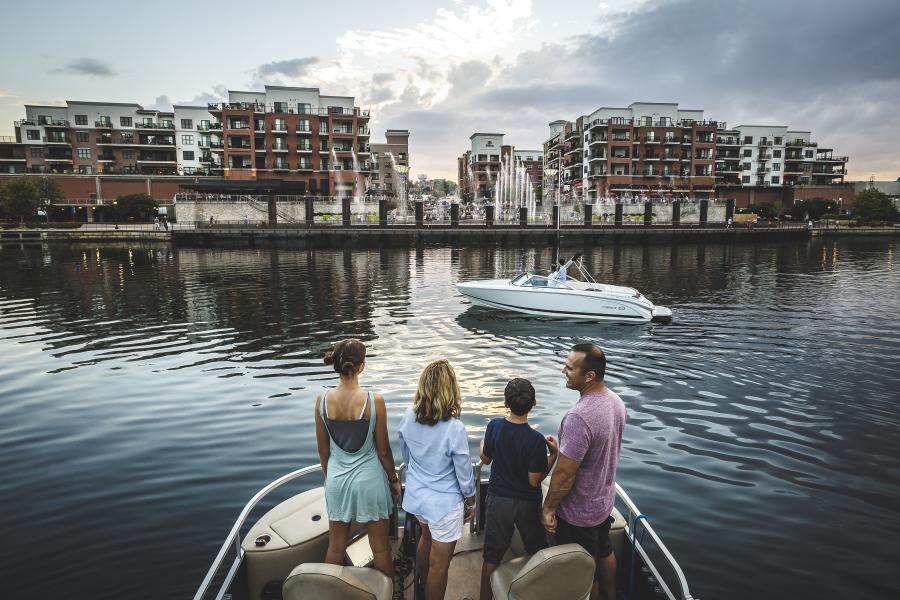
(332, 582)
(562, 572)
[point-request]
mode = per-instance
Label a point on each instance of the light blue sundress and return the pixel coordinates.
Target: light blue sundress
(356, 488)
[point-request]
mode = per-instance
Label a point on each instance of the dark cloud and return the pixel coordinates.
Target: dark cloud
(86, 66)
(295, 67)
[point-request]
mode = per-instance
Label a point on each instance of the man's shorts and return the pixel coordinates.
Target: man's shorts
(448, 528)
(593, 539)
(504, 515)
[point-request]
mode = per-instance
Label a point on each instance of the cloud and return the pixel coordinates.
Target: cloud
(219, 93)
(294, 68)
(86, 66)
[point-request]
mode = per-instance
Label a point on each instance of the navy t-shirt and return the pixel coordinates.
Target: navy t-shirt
(514, 449)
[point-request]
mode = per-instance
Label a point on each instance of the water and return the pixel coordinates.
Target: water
(148, 393)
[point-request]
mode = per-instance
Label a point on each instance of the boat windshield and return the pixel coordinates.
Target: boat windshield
(518, 279)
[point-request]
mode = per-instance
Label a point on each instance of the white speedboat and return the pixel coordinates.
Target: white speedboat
(546, 296)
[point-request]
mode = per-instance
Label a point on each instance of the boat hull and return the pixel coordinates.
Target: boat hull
(558, 303)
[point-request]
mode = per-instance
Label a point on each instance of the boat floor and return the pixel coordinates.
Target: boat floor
(464, 576)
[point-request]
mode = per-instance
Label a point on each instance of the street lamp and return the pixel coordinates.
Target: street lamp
(550, 172)
(116, 212)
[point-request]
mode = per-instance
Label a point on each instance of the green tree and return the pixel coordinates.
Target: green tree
(812, 209)
(135, 207)
(48, 190)
(20, 199)
(763, 211)
(874, 205)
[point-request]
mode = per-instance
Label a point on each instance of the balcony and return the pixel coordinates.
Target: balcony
(279, 128)
(304, 148)
(764, 143)
(47, 122)
(672, 140)
(56, 139)
(801, 144)
(763, 157)
(728, 141)
(148, 125)
(304, 130)
(652, 139)
(364, 131)
(103, 124)
(279, 148)
(215, 126)
(651, 157)
(106, 158)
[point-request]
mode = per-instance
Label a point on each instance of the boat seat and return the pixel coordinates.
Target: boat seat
(562, 572)
(333, 582)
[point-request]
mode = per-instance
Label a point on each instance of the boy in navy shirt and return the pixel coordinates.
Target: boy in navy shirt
(519, 462)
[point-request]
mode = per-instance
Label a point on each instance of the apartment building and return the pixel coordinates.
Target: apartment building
(490, 166)
(773, 155)
(659, 149)
(647, 148)
(391, 162)
(289, 133)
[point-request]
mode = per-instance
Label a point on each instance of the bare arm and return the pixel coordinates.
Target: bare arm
(385, 455)
(560, 485)
(484, 457)
(383, 446)
(535, 478)
(323, 443)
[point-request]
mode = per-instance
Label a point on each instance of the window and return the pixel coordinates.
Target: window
(776, 179)
(776, 166)
(204, 125)
(746, 166)
(37, 152)
(323, 126)
(748, 153)
(777, 142)
(33, 134)
(84, 153)
(776, 153)
(303, 125)
(808, 154)
(281, 107)
(81, 136)
(81, 119)
(85, 170)
(745, 179)
(187, 155)
(494, 157)
(187, 140)
(147, 121)
(304, 109)
(748, 139)
(125, 121)
(128, 154)
(167, 123)
(190, 170)
(482, 158)
(187, 123)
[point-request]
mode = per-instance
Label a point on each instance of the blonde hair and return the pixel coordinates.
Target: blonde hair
(438, 397)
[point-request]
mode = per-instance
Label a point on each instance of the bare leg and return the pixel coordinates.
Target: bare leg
(438, 566)
(423, 550)
(486, 569)
(381, 546)
(338, 532)
(607, 568)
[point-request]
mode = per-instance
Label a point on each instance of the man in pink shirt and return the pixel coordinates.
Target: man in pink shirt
(578, 506)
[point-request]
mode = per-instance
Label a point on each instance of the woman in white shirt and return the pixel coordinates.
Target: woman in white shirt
(440, 484)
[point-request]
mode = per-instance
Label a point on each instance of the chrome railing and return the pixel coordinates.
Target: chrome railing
(234, 535)
(635, 516)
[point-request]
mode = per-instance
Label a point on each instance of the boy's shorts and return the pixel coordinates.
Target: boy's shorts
(503, 516)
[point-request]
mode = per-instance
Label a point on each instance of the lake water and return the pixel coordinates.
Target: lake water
(147, 393)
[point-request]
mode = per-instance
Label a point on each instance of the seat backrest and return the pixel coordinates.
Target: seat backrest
(562, 572)
(325, 582)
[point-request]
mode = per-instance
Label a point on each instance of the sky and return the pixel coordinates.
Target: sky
(446, 69)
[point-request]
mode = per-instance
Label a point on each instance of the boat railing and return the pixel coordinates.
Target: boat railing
(235, 533)
(635, 521)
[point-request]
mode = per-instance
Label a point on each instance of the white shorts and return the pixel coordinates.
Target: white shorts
(448, 528)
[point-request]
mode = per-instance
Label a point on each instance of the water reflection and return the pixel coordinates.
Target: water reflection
(153, 389)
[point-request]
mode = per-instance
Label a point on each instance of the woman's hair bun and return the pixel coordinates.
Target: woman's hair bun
(329, 358)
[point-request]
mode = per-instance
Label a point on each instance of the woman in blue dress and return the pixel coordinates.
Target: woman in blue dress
(352, 439)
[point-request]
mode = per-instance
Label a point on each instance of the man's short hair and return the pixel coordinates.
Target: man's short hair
(519, 395)
(594, 360)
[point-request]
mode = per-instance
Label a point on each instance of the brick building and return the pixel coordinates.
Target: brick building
(391, 162)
